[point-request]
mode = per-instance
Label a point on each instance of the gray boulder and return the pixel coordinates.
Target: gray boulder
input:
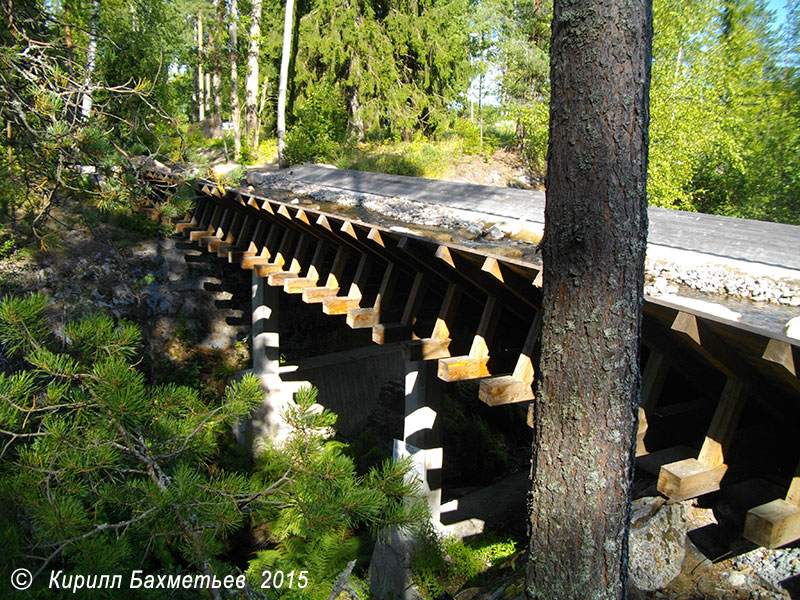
(657, 543)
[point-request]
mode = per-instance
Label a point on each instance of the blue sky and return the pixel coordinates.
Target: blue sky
(779, 6)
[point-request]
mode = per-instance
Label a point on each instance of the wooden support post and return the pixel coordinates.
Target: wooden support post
(338, 305)
(297, 285)
(247, 244)
(694, 477)
(438, 344)
(422, 430)
(776, 523)
(397, 332)
(474, 365)
(266, 421)
(273, 261)
(517, 387)
(331, 288)
(653, 378)
(362, 318)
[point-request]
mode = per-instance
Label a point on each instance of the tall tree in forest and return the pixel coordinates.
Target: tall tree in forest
(593, 252)
(251, 82)
(233, 30)
(216, 67)
(201, 89)
(284, 82)
(91, 58)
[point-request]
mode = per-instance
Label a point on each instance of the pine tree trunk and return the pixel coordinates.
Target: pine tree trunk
(593, 251)
(91, 57)
(201, 95)
(235, 110)
(283, 82)
(251, 83)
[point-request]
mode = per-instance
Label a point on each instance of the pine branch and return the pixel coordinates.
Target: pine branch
(100, 528)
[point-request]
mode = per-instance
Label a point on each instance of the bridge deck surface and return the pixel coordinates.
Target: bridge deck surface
(773, 244)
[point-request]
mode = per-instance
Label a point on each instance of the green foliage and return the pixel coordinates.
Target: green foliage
(443, 564)
(319, 129)
(106, 472)
(326, 502)
(100, 467)
(534, 121)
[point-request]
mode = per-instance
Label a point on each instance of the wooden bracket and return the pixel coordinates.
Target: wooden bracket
(438, 344)
(776, 523)
(517, 387)
(697, 476)
(397, 332)
(474, 364)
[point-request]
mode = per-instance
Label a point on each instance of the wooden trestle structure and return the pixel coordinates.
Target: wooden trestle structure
(475, 314)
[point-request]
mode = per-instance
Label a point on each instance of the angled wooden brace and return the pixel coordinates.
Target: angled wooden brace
(517, 387)
(385, 333)
(315, 294)
(241, 226)
(277, 276)
(653, 378)
(694, 477)
(776, 523)
(309, 279)
(339, 305)
(271, 258)
(215, 239)
(364, 317)
(204, 213)
(210, 226)
(474, 364)
(438, 344)
(248, 247)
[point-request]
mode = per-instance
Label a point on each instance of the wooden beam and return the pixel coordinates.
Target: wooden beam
(362, 318)
(474, 364)
(776, 523)
(694, 477)
(331, 287)
(437, 345)
(518, 386)
(383, 333)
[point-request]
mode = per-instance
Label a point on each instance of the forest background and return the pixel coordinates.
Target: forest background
(402, 85)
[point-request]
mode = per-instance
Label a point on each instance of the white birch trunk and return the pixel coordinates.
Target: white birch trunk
(251, 83)
(283, 83)
(91, 57)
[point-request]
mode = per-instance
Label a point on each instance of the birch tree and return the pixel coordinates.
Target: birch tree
(251, 83)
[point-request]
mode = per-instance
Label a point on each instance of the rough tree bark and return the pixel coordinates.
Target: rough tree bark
(593, 250)
(251, 83)
(233, 30)
(283, 83)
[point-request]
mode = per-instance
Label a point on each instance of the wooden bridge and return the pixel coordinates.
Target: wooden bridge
(471, 311)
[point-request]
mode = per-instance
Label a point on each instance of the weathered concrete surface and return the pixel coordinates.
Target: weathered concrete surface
(772, 244)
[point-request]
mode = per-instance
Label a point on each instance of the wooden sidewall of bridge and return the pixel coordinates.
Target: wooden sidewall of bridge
(465, 313)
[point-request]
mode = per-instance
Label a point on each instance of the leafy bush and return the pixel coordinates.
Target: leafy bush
(320, 128)
(535, 121)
